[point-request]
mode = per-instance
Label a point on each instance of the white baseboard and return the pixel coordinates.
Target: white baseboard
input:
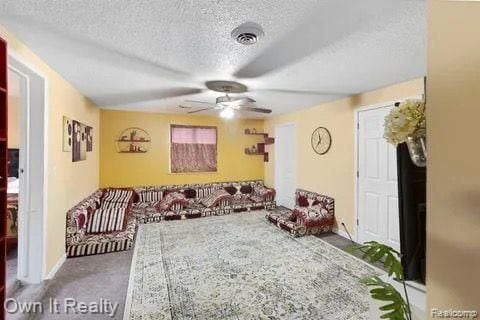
(56, 267)
(342, 233)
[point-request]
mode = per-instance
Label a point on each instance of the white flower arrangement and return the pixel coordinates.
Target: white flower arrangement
(404, 120)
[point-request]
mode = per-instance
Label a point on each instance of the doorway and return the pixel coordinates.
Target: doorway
(377, 188)
(31, 167)
(15, 97)
(285, 164)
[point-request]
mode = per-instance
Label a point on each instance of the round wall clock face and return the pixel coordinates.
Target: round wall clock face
(321, 140)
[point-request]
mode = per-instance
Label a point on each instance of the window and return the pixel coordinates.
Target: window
(193, 149)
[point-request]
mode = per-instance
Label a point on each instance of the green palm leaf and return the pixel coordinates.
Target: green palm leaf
(378, 252)
(396, 308)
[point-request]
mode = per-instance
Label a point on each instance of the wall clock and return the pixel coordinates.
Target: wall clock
(321, 140)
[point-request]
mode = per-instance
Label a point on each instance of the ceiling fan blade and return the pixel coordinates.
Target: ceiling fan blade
(239, 101)
(318, 32)
(304, 92)
(196, 101)
(253, 109)
(70, 45)
(201, 110)
(143, 96)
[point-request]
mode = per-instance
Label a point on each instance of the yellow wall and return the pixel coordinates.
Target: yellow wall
(453, 181)
(152, 168)
(333, 173)
(68, 182)
(13, 122)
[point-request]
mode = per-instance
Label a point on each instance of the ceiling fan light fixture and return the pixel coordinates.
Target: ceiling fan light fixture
(227, 113)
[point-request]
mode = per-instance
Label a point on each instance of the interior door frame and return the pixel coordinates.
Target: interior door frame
(356, 124)
(276, 169)
(33, 221)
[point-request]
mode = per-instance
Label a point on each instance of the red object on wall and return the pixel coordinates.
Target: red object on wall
(3, 169)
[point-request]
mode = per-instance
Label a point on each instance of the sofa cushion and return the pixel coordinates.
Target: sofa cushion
(231, 190)
(173, 198)
(107, 220)
(112, 205)
(190, 193)
(256, 198)
(216, 198)
(302, 201)
(118, 195)
(150, 196)
(82, 217)
(246, 189)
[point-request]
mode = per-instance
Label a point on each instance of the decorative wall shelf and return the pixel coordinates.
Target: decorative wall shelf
(260, 148)
(132, 152)
(133, 140)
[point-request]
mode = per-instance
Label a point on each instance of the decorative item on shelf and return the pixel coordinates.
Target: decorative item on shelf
(259, 149)
(133, 135)
(407, 123)
(133, 140)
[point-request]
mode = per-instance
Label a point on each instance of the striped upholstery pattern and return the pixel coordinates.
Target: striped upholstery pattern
(113, 205)
(216, 198)
(118, 195)
(79, 242)
(249, 195)
(87, 249)
(316, 217)
(172, 200)
(150, 196)
(107, 220)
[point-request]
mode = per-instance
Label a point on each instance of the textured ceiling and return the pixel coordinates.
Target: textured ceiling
(146, 55)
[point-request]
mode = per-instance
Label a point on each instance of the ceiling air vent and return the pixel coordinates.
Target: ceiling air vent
(247, 33)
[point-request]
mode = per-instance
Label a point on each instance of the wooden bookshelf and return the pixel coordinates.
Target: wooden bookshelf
(3, 169)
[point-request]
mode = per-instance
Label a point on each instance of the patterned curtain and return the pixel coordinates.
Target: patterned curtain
(193, 149)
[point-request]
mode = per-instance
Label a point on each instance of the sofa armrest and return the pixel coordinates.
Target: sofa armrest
(267, 194)
(77, 217)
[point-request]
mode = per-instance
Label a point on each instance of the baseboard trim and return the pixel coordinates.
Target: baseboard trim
(56, 267)
(343, 234)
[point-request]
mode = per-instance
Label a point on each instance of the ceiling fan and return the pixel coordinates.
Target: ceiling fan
(227, 104)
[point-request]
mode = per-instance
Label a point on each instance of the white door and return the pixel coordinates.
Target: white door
(285, 150)
(378, 214)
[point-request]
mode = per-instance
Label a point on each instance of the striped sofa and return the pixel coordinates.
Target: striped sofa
(243, 196)
(99, 224)
(313, 214)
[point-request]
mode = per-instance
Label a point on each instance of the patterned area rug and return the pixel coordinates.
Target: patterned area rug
(241, 267)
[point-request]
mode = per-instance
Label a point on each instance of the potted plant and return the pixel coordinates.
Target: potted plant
(407, 123)
(133, 135)
(394, 307)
